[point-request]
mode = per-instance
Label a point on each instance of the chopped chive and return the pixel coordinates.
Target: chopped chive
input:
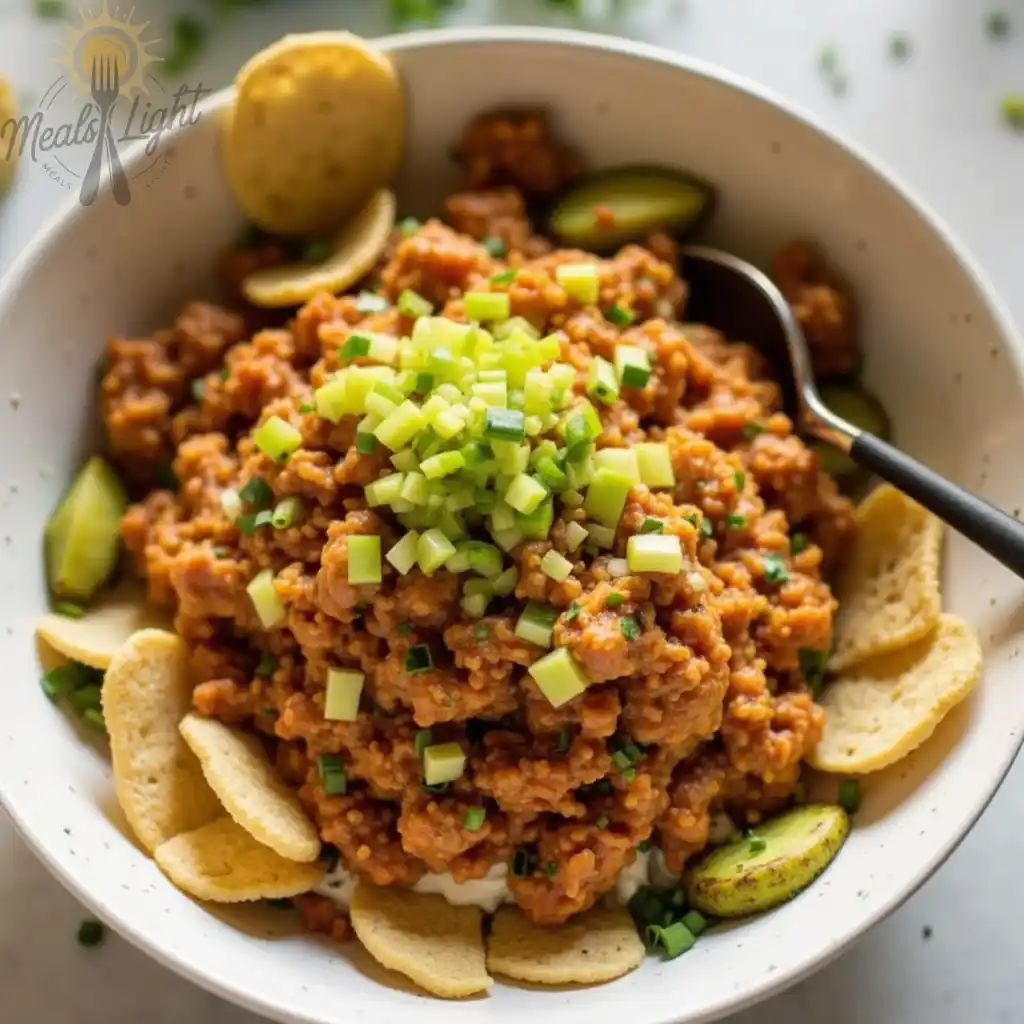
(412, 305)
(495, 246)
(355, 345)
(775, 570)
(997, 24)
(166, 477)
(828, 58)
(619, 315)
(409, 226)
(504, 276)
(614, 599)
(630, 627)
(256, 492)
(267, 664)
(317, 252)
(601, 821)
(644, 845)
(899, 46)
(739, 479)
(652, 525)
(564, 740)
(797, 543)
(524, 861)
(91, 933)
(69, 609)
(221, 551)
(287, 513)
(481, 631)
(422, 740)
(572, 613)
(404, 628)
(474, 818)
(757, 844)
(504, 424)
(332, 774)
(365, 444)
(188, 39)
(812, 665)
(752, 429)
(307, 407)
(849, 795)
(735, 521)
(696, 922)
(628, 774)
(225, 373)
(418, 659)
(621, 760)
(707, 528)
(551, 868)
(1012, 109)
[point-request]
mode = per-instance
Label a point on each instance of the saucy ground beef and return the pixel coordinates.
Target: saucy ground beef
(712, 692)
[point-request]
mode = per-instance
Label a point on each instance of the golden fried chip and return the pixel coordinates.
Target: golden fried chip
(888, 589)
(159, 781)
(599, 945)
(438, 946)
(106, 626)
(356, 250)
(8, 118)
(222, 863)
(881, 710)
(240, 773)
(318, 127)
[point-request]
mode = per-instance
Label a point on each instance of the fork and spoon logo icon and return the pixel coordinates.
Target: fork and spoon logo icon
(105, 88)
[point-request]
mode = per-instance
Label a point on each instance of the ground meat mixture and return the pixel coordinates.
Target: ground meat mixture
(711, 696)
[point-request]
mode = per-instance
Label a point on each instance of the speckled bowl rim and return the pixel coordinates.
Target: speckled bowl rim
(766, 985)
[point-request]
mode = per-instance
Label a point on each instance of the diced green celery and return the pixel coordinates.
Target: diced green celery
(443, 762)
(507, 539)
(414, 489)
(619, 460)
(537, 525)
(265, 600)
(276, 438)
(534, 426)
(474, 606)
(411, 304)
(484, 558)
(536, 624)
(487, 305)
(427, 444)
(402, 555)
(493, 375)
(580, 427)
(655, 462)
(602, 536)
(633, 365)
(458, 562)
(474, 586)
(513, 325)
(448, 423)
(493, 393)
(341, 698)
(556, 566)
(355, 346)
(400, 426)
(406, 381)
(580, 470)
(559, 677)
(485, 502)
(380, 406)
(516, 399)
(401, 505)
(405, 460)
(518, 364)
(537, 390)
(654, 552)
(571, 498)
(461, 496)
(442, 464)
(562, 376)
(575, 535)
(525, 494)
(503, 517)
(551, 474)
(617, 568)
(550, 346)
(505, 584)
(384, 490)
(330, 399)
(579, 280)
(475, 454)
(359, 382)
(433, 549)
(430, 332)
(364, 559)
(602, 381)
(449, 392)
(383, 349)
(606, 496)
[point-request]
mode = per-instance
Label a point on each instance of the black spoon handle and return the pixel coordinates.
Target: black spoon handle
(994, 531)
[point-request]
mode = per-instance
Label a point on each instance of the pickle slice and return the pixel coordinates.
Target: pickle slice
(83, 535)
(858, 407)
(609, 208)
(769, 867)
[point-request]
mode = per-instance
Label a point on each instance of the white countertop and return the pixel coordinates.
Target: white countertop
(955, 951)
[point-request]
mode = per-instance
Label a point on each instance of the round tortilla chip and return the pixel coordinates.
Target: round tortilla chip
(356, 250)
(318, 126)
(599, 945)
(159, 781)
(240, 773)
(436, 945)
(888, 588)
(222, 863)
(8, 113)
(882, 709)
(105, 628)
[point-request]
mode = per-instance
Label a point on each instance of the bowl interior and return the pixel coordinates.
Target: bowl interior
(938, 353)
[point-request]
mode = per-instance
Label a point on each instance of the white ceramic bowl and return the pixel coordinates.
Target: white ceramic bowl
(940, 352)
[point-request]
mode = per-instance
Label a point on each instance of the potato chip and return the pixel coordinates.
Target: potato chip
(438, 946)
(356, 250)
(240, 773)
(881, 710)
(599, 945)
(318, 127)
(107, 625)
(159, 781)
(888, 589)
(222, 863)
(8, 111)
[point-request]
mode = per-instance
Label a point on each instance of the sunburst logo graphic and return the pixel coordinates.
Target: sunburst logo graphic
(108, 40)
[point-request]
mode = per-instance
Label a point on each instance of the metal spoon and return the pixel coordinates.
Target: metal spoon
(735, 297)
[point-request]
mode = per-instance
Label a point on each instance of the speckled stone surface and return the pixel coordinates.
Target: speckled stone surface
(954, 952)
